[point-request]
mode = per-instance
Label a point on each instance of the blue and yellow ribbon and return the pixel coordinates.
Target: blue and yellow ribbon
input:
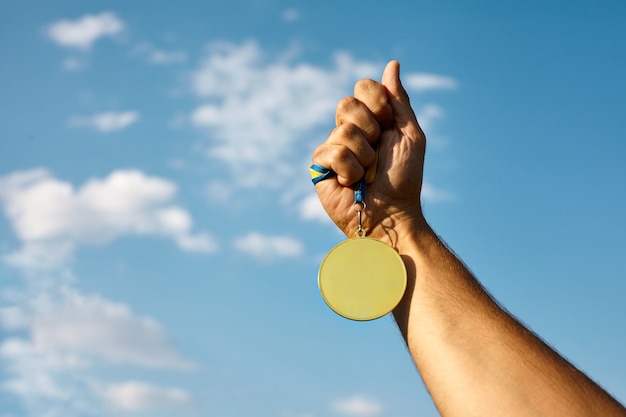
(320, 173)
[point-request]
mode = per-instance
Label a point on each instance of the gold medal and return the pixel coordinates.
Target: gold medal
(362, 279)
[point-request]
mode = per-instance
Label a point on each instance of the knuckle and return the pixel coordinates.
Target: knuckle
(346, 105)
(319, 152)
(347, 165)
(347, 131)
(342, 155)
(374, 96)
(369, 129)
(372, 131)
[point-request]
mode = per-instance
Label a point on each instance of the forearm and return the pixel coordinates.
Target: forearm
(474, 357)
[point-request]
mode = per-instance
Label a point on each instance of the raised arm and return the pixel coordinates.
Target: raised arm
(474, 357)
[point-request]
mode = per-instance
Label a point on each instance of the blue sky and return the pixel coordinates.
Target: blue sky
(160, 239)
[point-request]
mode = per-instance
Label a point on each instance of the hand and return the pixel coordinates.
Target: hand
(379, 115)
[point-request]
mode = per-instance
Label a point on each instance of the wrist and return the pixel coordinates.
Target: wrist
(403, 231)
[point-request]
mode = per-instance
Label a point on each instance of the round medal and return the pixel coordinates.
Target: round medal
(362, 279)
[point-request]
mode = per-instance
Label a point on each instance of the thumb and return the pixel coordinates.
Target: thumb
(397, 96)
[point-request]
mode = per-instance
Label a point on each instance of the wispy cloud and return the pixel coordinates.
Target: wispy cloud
(432, 194)
(261, 112)
(157, 56)
(140, 396)
(107, 122)
(268, 248)
(258, 111)
(34, 378)
(360, 406)
(428, 115)
(427, 81)
(70, 334)
(81, 329)
(84, 32)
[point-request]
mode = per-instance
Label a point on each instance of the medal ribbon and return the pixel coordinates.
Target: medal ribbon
(359, 192)
(359, 205)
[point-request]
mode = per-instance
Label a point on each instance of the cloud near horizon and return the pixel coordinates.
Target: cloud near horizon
(57, 337)
(82, 329)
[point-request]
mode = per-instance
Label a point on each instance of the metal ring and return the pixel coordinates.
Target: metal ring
(359, 206)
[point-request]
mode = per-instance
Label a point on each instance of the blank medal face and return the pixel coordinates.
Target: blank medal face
(362, 279)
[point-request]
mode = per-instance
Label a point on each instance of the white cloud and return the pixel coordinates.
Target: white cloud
(259, 111)
(266, 247)
(106, 122)
(358, 406)
(425, 81)
(61, 334)
(433, 195)
(51, 217)
(84, 32)
(201, 242)
(42, 207)
(311, 209)
(140, 396)
(428, 114)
